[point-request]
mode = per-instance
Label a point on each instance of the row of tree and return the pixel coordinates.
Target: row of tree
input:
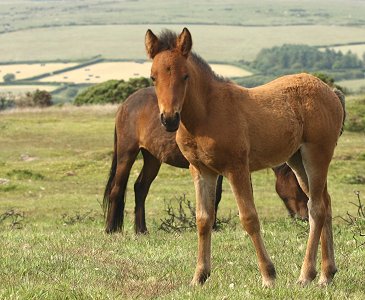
(293, 58)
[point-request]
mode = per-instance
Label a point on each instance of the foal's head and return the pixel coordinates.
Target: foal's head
(169, 73)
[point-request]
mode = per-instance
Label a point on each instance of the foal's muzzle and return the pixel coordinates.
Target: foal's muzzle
(171, 123)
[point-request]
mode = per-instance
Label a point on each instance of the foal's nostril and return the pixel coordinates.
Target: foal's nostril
(163, 120)
(177, 117)
(171, 122)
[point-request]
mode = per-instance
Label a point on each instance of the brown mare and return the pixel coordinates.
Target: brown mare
(225, 129)
(138, 128)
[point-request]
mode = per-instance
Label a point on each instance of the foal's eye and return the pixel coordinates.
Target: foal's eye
(153, 78)
(186, 77)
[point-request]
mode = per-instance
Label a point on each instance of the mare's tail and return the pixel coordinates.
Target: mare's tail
(118, 215)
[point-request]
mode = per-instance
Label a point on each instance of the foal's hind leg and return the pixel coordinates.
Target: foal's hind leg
(312, 176)
(151, 166)
(240, 182)
(328, 268)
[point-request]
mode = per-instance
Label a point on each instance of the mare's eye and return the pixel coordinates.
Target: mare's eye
(186, 77)
(153, 78)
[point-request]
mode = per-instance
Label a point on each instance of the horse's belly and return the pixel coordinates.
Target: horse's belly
(271, 150)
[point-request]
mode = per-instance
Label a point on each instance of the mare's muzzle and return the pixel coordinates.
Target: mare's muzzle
(171, 123)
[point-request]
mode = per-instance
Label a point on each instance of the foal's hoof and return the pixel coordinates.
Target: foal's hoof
(268, 282)
(326, 278)
(200, 278)
(307, 278)
(268, 276)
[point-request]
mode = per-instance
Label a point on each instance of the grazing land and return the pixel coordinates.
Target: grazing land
(215, 43)
(54, 164)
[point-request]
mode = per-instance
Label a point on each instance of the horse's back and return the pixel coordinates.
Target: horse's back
(288, 112)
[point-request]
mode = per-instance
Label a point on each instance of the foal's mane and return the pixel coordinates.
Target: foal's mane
(167, 41)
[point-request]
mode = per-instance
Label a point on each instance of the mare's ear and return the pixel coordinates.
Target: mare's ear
(151, 43)
(184, 42)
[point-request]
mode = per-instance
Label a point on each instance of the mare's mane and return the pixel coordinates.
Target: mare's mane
(167, 41)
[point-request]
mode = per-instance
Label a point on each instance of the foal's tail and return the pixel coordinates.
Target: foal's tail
(341, 97)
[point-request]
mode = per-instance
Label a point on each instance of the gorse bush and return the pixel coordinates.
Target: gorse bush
(111, 91)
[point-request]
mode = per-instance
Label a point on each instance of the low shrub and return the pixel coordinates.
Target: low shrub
(111, 91)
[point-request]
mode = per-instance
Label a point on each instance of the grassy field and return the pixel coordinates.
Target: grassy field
(54, 164)
(215, 43)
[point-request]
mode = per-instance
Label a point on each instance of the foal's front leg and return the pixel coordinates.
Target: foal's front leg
(205, 185)
(240, 181)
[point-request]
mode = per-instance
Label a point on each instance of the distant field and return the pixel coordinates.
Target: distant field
(359, 50)
(125, 70)
(20, 14)
(22, 71)
(214, 43)
(353, 85)
(21, 89)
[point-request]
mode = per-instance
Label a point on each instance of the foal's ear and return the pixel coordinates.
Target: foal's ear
(184, 42)
(151, 43)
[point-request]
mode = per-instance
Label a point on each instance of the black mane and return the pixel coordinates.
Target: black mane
(167, 41)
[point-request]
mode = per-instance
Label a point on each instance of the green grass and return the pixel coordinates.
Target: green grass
(57, 161)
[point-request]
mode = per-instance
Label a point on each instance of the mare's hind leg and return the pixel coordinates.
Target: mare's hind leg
(115, 214)
(240, 181)
(311, 166)
(151, 166)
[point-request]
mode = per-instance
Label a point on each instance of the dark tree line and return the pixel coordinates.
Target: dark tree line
(295, 58)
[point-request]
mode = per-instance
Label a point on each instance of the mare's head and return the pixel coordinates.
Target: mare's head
(169, 73)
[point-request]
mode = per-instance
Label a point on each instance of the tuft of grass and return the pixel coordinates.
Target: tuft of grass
(12, 218)
(24, 174)
(354, 179)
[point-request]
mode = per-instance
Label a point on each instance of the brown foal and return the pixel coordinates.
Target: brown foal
(225, 129)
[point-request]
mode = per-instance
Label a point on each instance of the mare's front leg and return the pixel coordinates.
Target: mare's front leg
(205, 185)
(240, 181)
